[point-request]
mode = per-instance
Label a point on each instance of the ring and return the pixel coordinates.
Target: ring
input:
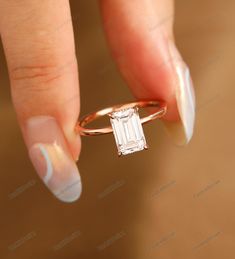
(126, 124)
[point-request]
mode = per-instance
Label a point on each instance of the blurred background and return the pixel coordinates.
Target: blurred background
(165, 203)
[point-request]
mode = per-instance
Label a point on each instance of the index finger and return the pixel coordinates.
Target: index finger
(39, 46)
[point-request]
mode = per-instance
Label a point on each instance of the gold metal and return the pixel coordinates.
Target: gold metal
(80, 127)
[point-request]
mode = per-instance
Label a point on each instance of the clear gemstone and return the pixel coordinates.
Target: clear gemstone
(128, 131)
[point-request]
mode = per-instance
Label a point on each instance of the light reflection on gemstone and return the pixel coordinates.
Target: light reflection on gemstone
(128, 131)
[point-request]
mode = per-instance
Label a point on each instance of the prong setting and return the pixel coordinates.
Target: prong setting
(128, 131)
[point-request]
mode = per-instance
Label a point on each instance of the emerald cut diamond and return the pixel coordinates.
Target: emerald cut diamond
(128, 131)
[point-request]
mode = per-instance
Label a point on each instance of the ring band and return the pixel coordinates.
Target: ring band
(125, 124)
(80, 127)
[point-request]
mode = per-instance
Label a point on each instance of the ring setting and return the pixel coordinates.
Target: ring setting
(126, 124)
(128, 131)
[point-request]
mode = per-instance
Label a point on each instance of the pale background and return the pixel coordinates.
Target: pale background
(167, 202)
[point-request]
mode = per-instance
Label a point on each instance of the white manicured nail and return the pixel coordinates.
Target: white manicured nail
(182, 131)
(51, 159)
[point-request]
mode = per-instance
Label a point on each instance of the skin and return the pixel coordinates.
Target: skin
(39, 46)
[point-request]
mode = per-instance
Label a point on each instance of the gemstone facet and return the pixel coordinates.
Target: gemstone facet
(128, 131)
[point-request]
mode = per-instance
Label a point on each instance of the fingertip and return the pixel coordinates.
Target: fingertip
(51, 158)
(74, 142)
(182, 129)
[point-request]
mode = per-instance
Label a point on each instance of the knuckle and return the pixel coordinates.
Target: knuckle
(39, 77)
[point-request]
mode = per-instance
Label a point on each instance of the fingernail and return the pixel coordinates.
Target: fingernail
(51, 158)
(182, 131)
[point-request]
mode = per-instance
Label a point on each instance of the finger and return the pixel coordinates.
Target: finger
(39, 46)
(140, 34)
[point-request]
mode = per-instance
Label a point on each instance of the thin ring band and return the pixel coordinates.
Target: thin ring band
(80, 126)
(106, 111)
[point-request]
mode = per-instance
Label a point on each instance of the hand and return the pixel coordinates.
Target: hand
(39, 47)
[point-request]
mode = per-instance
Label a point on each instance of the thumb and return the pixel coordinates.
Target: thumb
(140, 34)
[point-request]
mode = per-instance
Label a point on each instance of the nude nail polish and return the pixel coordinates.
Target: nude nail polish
(50, 156)
(182, 131)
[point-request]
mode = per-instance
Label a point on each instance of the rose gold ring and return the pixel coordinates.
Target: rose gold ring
(125, 124)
